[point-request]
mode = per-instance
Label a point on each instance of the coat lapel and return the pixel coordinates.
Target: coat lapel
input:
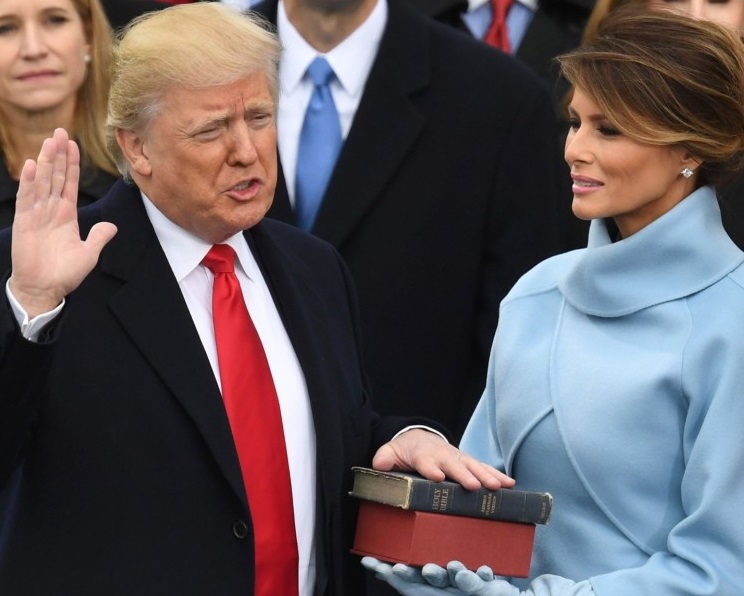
(386, 126)
(153, 313)
(301, 309)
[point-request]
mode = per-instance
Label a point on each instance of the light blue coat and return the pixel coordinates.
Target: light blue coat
(616, 382)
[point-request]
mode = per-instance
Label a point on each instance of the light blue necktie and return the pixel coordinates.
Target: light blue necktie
(320, 143)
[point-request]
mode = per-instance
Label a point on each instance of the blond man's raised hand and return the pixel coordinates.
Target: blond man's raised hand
(49, 258)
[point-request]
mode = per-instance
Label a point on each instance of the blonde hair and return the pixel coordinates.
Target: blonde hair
(89, 120)
(197, 45)
(668, 79)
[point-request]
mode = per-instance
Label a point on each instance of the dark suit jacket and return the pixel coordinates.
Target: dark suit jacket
(556, 28)
(445, 11)
(445, 192)
(117, 465)
(732, 210)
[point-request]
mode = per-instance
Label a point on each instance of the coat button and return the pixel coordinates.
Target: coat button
(240, 530)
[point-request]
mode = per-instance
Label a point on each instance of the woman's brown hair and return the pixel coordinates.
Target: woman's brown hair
(668, 79)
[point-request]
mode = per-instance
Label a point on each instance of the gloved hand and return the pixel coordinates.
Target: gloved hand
(483, 583)
(409, 581)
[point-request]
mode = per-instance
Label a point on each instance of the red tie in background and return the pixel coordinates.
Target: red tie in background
(256, 421)
(497, 34)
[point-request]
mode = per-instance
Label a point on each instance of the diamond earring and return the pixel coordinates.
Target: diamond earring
(687, 172)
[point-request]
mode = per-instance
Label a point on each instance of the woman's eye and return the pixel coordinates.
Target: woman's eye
(608, 131)
(57, 19)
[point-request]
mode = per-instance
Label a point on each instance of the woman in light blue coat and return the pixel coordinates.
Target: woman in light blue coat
(616, 379)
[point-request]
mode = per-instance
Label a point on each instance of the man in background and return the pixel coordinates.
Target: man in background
(442, 191)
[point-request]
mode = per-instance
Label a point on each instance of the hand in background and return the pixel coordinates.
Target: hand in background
(432, 457)
(49, 258)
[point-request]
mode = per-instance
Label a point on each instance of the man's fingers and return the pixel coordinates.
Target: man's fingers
(44, 170)
(25, 195)
(99, 235)
(71, 175)
(59, 172)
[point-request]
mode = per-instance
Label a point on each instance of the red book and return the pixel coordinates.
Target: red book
(418, 537)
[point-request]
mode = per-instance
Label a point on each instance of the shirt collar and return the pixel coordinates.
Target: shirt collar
(185, 251)
(474, 5)
(679, 254)
(351, 60)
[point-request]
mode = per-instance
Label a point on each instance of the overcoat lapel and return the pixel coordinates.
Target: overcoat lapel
(385, 128)
(547, 36)
(301, 310)
(153, 313)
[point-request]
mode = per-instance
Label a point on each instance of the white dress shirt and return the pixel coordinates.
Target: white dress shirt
(351, 61)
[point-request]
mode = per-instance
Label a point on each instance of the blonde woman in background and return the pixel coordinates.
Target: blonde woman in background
(54, 72)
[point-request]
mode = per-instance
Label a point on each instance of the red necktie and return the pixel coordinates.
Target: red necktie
(497, 34)
(256, 421)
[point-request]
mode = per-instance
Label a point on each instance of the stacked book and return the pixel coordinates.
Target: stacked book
(405, 518)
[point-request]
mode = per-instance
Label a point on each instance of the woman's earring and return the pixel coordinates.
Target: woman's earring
(87, 58)
(687, 172)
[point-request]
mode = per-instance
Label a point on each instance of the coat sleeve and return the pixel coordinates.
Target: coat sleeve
(24, 370)
(479, 439)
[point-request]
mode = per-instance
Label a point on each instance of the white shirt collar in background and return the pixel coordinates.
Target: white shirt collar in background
(476, 4)
(351, 61)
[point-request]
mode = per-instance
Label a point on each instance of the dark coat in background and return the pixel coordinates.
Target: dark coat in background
(556, 28)
(445, 192)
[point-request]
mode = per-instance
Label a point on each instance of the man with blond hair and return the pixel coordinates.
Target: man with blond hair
(137, 453)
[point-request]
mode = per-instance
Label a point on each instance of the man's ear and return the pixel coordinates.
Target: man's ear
(132, 145)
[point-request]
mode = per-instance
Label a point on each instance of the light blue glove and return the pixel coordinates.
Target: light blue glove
(409, 581)
(483, 583)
